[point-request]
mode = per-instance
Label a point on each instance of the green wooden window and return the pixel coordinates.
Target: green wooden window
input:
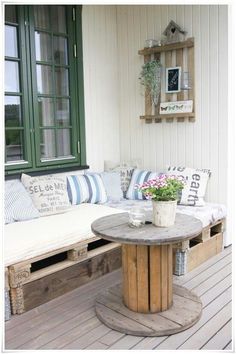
(44, 113)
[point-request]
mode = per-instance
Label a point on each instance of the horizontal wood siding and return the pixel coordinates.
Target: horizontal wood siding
(202, 144)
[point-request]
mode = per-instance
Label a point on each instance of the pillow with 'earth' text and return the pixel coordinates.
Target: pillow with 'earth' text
(48, 193)
(196, 180)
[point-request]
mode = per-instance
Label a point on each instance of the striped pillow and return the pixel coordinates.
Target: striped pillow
(18, 204)
(138, 177)
(86, 189)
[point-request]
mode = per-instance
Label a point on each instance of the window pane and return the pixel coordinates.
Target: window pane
(61, 81)
(58, 19)
(14, 145)
(42, 16)
(12, 111)
(10, 13)
(11, 76)
(60, 50)
(44, 79)
(63, 142)
(11, 41)
(45, 106)
(43, 47)
(62, 112)
(48, 149)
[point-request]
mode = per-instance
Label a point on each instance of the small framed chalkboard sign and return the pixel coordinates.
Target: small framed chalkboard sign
(173, 77)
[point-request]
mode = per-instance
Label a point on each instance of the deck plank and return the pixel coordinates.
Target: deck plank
(69, 322)
(221, 338)
(209, 329)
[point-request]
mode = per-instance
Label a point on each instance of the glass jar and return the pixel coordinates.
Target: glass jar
(137, 217)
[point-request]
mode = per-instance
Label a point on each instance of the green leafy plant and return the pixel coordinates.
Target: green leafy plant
(150, 77)
(162, 188)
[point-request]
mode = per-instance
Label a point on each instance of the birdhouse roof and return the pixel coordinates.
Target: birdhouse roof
(173, 24)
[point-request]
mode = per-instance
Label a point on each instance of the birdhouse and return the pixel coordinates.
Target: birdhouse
(174, 33)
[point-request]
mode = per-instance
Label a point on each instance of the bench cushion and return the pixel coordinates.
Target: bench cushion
(32, 238)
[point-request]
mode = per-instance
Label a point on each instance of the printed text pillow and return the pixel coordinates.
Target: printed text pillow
(196, 182)
(48, 193)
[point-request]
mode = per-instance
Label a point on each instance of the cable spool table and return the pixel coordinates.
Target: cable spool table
(148, 304)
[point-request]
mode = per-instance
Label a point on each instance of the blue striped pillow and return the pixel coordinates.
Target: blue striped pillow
(86, 189)
(18, 203)
(138, 177)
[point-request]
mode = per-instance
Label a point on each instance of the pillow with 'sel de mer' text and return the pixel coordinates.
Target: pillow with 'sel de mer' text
(196, 180)
(48, 193)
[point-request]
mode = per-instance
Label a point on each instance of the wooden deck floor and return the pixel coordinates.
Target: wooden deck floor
(69, 322)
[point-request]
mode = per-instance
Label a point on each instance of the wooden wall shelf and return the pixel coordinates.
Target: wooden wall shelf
(171, 55)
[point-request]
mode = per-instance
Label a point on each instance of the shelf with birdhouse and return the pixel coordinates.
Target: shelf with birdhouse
(168, 77)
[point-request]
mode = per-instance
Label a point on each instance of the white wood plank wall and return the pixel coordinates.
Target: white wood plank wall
(112, 36)
(100, 84)
(202, 144)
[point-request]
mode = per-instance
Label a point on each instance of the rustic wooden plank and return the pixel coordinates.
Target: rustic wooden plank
(179, 62)
(150, 321)
(203, 251)
(116, 228)
(132, 277)
(170, 274)
(191, 71)
(56, 284)
(125, 279)
(112, 312)
(220, 339)
(117, 319)
(142, 279)
(188, 43)
(155, 279)
(164, 278)
(164, 116)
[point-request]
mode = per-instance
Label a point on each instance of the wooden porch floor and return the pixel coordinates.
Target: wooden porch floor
(70, 322)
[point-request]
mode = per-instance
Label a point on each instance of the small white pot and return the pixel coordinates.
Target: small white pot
(164, 213)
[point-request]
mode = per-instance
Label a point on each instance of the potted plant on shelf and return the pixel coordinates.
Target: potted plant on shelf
(163, 191)
(150, 77)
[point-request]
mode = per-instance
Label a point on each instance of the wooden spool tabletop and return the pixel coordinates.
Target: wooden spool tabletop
(116, 228)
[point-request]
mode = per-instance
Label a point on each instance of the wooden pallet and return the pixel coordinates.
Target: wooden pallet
(45, 277)
(190, 254)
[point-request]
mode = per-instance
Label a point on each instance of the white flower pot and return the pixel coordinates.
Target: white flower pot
(164, 213)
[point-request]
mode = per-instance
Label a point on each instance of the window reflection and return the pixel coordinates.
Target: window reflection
(11, 76)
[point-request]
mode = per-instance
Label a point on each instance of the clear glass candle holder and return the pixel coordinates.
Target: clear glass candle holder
(137, 217)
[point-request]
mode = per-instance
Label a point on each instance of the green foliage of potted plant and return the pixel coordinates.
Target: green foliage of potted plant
(150, 77)
(163, 191)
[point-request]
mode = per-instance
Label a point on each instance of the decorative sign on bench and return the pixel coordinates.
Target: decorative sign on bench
(176, 107)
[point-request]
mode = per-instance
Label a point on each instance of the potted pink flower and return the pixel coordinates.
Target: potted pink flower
(163, 191)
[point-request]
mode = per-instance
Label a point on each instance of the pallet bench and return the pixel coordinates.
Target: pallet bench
(45, 277)
(190, 254)
(48, 276)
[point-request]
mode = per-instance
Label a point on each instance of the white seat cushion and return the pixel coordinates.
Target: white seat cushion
(28, 239)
